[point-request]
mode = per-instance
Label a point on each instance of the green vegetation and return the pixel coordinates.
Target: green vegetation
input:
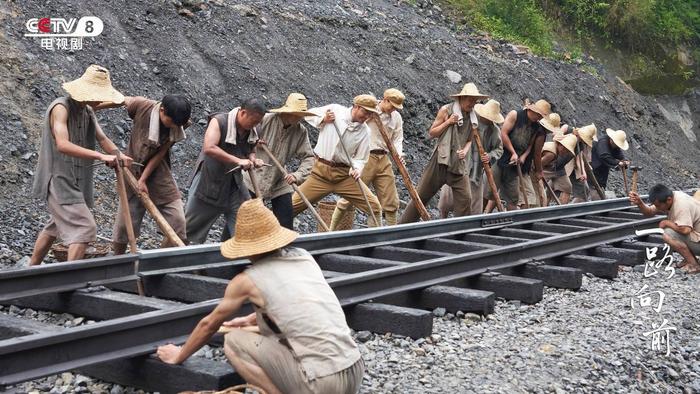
(650, 36)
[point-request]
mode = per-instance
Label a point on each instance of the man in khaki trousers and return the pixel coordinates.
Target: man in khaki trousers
(332, 173)
(448, 164)
(378, 171)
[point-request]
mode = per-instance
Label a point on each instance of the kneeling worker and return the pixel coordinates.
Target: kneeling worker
(304, 344)
(682, 226)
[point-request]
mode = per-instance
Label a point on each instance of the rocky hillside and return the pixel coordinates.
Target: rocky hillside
(218, 53)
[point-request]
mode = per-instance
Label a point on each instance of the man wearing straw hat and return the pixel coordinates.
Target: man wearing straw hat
(577, 169)
(523, 137)
(287, 139)
(556, 155)
(489, 116)
(449, 162)
(608, 153)
(332, 173)
(297, 339)
(65, 167)
(157, 126)
(378, 171)
(217, 186)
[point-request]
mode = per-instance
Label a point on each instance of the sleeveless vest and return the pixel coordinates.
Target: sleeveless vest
(71, 176)
(303, 312)
(520, 136)
(215, 185)
(450, 141)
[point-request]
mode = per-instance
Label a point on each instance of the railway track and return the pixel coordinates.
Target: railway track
(387, 279)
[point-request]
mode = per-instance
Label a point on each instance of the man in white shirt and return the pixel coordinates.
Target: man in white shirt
(332, 173)
(378, 171)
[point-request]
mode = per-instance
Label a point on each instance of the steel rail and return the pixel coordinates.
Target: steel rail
(38, 355)
(44, 279)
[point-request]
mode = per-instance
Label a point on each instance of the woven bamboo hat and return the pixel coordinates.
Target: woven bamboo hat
(569, 141)
(542, 107)
(551, 122)
(470, 90)
(588, 134)
(94, 85)
(257, 232)
(296, 104)
(619, 137)
(394, 97)
(491, 111)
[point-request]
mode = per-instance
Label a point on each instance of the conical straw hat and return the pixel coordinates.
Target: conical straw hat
(491, 111)
(569, 141)
(542, 107)
(588, 134)
(94, 85)
(619, 137)
(551, 122)
(257, 232)
(296, 104)
(470, 90)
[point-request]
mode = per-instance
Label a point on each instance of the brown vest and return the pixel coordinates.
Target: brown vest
(450, 141)
(71, 176)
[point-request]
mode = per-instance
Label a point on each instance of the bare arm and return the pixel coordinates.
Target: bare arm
(107, 105)
(238, 291)
(59, 129)
(441, 123)
(646, 210)
(211, 146)
(537, 147)
(547, 158)
(505, 131)
(153, 164)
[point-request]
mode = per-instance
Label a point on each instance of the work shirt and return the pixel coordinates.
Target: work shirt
(393, 124)
(72, 177)
(685, 211)
(144, 144)
(285, 143)
(355, 136)
(490, 135)
(604, 158)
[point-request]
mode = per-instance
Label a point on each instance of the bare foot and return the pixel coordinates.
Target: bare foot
(681, 263)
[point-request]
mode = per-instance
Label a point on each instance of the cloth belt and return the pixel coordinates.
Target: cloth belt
(332, 163)
(378, 151)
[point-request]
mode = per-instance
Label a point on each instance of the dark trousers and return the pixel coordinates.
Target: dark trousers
(282, 208)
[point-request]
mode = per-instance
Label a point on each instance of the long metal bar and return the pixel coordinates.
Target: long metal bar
(34, 356)
(75, 275)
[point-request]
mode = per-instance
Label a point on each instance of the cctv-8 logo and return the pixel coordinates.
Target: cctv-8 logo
(89, 26)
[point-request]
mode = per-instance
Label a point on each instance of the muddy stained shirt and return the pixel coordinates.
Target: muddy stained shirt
(162, 188)
(685, 211)
(521, 135)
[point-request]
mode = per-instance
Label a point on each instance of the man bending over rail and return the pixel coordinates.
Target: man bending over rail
(297, 340)
(64, 171)
(682, 226)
